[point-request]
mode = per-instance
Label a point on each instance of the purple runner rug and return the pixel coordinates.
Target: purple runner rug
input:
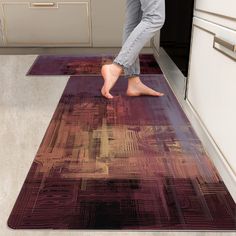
(126, 163)
(81, 65)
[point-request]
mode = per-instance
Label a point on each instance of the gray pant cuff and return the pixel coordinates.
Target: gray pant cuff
(118, 63)
(132, 75)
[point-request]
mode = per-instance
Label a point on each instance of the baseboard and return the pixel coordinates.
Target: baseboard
(177, 82)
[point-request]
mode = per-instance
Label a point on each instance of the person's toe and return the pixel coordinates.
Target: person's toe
(158, 93)
(108, 95)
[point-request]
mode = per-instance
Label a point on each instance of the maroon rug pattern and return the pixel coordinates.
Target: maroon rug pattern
(82, 65)
(126, 163)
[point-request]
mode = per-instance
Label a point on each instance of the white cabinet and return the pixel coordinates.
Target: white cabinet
(46, 23)
(83, 23)
(217, 11)
(224, 8)
(1, 34)
(108, 19)
(212, 80)
(107, 22)
(212, 84)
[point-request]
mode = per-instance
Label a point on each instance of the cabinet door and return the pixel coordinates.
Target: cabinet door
(1, 33)
(224, 8)
(108, 19)
(212, 84)
(45, 23)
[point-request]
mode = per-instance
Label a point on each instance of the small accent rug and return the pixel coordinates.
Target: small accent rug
(79, 65)
(129, 163)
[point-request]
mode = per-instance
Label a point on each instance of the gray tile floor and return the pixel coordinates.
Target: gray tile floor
(27, 104)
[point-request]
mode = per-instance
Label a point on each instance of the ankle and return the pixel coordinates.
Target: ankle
(118, 68)
(134, 80)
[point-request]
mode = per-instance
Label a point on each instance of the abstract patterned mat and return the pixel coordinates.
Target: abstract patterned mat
(127, 163)
(79, 65)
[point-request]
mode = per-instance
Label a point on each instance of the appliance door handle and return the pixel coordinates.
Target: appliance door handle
(222, 42)
(43, 4)
(224, 47)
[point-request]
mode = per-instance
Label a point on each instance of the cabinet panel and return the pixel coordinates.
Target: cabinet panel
(108, 18)
(1, 33)
(225, 8)
(61, 23)
(212, 84)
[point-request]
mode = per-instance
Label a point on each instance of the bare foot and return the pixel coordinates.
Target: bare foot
(137, 88)
(110, 73)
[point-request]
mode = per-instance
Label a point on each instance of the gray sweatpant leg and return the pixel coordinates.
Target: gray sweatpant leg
(133, 16)
(143, 19)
